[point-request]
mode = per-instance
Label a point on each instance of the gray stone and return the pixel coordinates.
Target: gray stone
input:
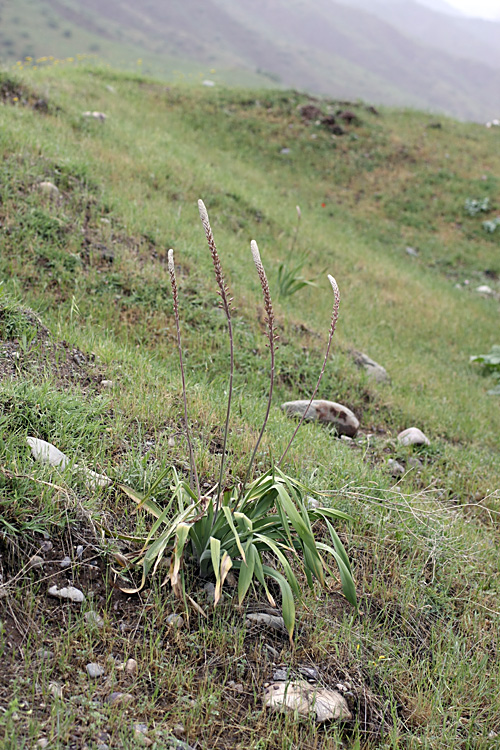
(411, 251)
(310, 673)
(281, 675)
(209, 589)
(119, 699)
(343, 419)
(94, 670)
(65, 562)
(396, 469)
(44, 653)
(413, 436)
(67, 592)
(36, 561)
(79, 551)
(260, 618)
(372, 368)
(106, 383)
(93, 619)
(95, 115)
(175, 621)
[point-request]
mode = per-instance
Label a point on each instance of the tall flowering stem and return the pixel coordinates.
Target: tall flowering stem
(226, 306)
(173, 283)
(272, 336)
(335, 315)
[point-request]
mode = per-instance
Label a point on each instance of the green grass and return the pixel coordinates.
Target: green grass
(85, 275)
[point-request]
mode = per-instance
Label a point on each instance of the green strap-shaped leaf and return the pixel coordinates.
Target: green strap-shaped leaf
(247, 568)
(215, 555)
(182, 533)
(230, 521)
(348, 587)
(287, 601)
(292, 580)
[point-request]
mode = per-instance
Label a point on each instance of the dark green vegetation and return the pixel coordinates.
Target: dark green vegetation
(85, 299)
(401, 54)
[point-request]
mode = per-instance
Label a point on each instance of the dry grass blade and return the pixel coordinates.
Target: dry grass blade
(173, 283)
(335, 315)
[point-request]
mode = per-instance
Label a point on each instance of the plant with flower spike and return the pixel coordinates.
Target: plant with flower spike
(242, 526)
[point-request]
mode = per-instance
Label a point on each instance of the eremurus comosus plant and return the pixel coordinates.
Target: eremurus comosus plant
(260, 519)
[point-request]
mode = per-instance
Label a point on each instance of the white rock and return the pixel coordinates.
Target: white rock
(372, 368)
(49, 188)
(56, 689)
(46, 452)
(485, 289)
(413, 436)
(95, 115)
(106, 383)
(342, 418)
(306, 699)
(206, 82)
(67, 592)
(261, 618)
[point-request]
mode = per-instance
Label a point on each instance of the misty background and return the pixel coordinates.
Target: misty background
(424, 54)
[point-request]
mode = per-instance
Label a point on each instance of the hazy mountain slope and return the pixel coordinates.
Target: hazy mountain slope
(323, 46)
(469, 38)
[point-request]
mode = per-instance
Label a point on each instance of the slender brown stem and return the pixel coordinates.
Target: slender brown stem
(272, 336)
(173, 282)
(335, 315)
(226, 306)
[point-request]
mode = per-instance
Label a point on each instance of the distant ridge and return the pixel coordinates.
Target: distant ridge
(397, 53)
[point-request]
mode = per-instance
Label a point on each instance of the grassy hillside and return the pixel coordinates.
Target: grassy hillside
(89, 363)
(426, 60)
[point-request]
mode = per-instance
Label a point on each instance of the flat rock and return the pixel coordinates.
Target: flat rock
(70, 593)
(372, 368)
(261, 618)
(306, 699)
(329, 412)
(46, 452)
(413, 436)
(36, 561)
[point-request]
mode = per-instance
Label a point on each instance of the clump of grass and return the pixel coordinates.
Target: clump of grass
(233, 527)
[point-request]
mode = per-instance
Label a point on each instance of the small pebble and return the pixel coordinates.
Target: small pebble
(94, 670)
(42, 742)
(46, 546)
(36, 561)
(175, 621)
(280, 675)
(121, 699)
(65, 562)
(56, 689)
(131, 666)
(106, 384)
(93, 618)
(79, 551)
(44, 653)
(236, 686)
(209, 589)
